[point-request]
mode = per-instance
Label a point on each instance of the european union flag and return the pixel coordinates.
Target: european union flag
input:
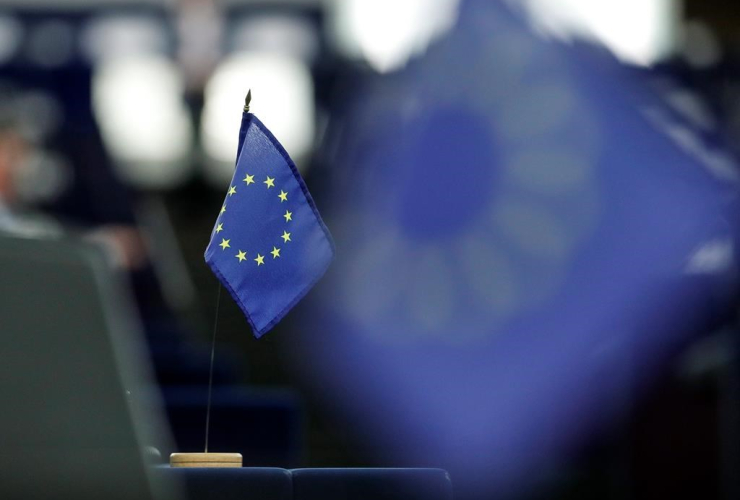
(269, 245)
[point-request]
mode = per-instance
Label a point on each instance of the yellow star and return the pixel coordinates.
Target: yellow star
(224, 244)
(260, 260)
(223, 209)
(275, 252)
(288, 216)
(219, 228)
(270, 182)
(232, 190)
(286, 237)
(249, 179)
(283, 196)
(241, 256)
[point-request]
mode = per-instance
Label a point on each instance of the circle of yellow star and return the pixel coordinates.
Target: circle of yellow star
(224, 244)
(260, 260)
(219, 228)
(270, 182)
(275, 252)
(288, 216)
(283, 196)
(242, 256)
(232, 191)
(223, 209)
(249, 179)
(286, 237)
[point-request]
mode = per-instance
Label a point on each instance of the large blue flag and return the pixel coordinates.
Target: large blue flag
(522, 253)
(269, 245)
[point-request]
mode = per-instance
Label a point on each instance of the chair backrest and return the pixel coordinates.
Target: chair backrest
(71, 379)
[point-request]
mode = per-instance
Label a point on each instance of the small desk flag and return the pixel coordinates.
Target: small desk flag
(269, 245)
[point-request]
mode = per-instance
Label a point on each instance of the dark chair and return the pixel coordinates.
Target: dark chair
(73, 378)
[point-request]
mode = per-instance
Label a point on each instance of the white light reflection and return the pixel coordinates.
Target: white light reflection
(11, 36)
(290, 35)
(143, 120)
(387, 33)
(282, 91)
(118, 35)
(637, 31)
(713, 257)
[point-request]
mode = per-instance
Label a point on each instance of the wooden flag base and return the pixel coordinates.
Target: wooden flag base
(206, 460)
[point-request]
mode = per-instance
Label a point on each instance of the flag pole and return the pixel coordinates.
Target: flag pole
(207, 459)
(210, 371)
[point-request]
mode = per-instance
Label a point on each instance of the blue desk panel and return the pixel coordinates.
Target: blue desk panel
(371, 484)
(239, 483)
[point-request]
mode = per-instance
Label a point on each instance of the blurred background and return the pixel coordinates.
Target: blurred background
(535, 207)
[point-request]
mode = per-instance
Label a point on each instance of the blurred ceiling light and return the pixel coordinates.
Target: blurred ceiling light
(701, 48)
(282, 91)
(637, 31)
(387, 33)
(144, 122)
(52, 43)
(11, 36)
(40, 114)
(77, 5)
(43, 178)
(286, 34)
(122, 35)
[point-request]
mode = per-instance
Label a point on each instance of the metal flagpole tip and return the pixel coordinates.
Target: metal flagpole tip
(247, 101)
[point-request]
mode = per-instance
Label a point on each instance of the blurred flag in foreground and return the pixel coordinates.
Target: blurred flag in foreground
(522, 253)
(269, 245)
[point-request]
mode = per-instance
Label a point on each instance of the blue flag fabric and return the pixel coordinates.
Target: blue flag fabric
(269, 245)
(524, 252)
